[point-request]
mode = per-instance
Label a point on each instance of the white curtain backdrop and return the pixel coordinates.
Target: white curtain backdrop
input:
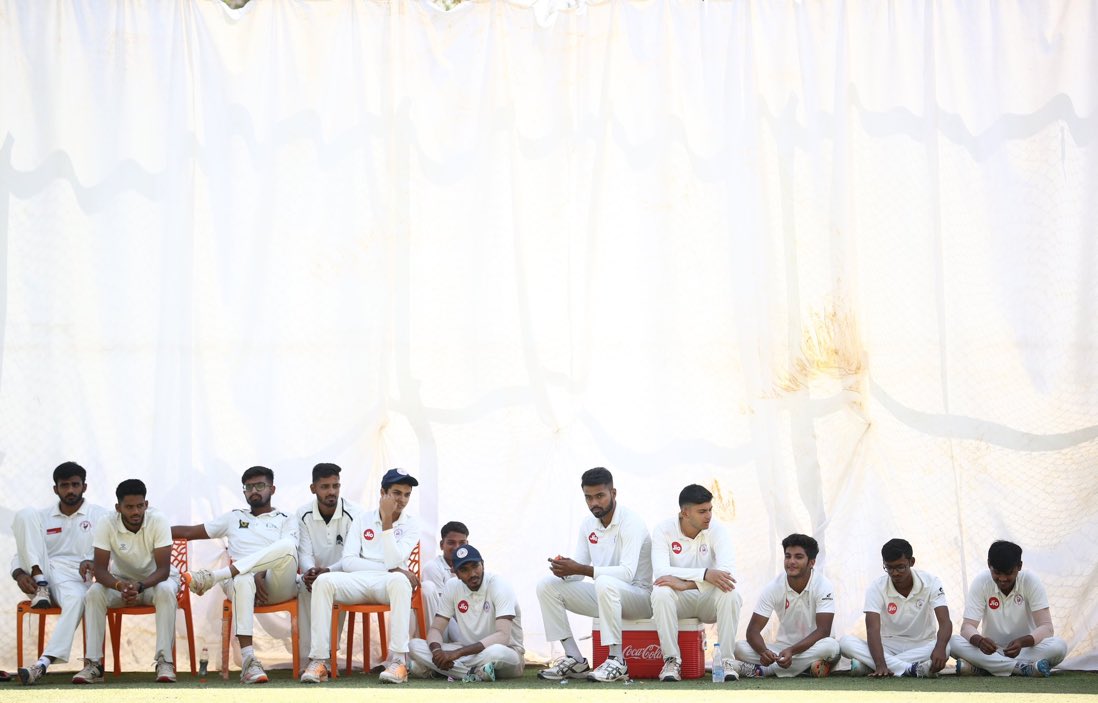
(836, 260)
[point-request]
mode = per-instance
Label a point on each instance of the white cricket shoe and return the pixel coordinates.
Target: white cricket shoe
(91, 673)
(315, 672)
(672, 669)
(201, 581)
(395, 672)
(566, 668)
(745, 670)
(609, 670)
(41, 598)
(165, 671)
(32, 673)
(252, 671)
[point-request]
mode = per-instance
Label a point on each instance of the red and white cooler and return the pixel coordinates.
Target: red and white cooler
(641, 647)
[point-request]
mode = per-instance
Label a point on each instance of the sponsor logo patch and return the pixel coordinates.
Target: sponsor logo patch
(892, 608)
(993, 603)
(593, 538)
(676, 548)
(787, 604)
(53, 531)
(463, 606)
(368, 534)
(651, 652)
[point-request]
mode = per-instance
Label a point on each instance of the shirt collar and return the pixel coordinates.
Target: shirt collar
(614, 521)
(338, 513)
(82, 510)
(916, 586)
(807, 586)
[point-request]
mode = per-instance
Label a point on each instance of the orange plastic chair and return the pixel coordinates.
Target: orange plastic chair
(180, 561)
(24, 608)
(287, 606)
(378, 609)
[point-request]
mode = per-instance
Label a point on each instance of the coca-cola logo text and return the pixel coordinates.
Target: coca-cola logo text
(651, 652)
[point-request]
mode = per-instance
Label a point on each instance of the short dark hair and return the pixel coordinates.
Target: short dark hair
(1004, 556)
(694, 495)
(323, 470)
(808, 544)
(896, 548)
(597, 476)
(256, 472)
(130, 487)
(68, 470)
(454, 526)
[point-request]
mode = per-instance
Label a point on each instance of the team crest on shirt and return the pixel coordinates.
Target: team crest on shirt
(339, 539)
(123, 547)
(243, 524)
(593, 538)
(1018, 599)
(368, 534)
(85, 525)
(398, 531)
(463, 606)
(919, 603)
(703, 549)
(993, 603)
(892, 608)
(487, 606)
(676, 548)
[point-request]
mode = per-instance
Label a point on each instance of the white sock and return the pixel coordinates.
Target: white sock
(615, 651)
(222, 574)
(572, 649)
(41, 581)
(44, 662)
(246, 652)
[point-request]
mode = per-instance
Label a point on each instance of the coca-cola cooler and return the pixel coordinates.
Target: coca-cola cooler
(641, 647)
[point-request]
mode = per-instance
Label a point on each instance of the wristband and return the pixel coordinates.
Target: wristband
(434, 646)
(140, 587)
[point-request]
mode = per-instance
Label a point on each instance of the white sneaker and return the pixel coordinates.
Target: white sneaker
(31, 674)
(480, 674)
(252, 671)
(672, 670)
(165, 671)
(315, 672)
(202, 581)
(730, 671)
(965, 668)
(1040, 667)
(395, 672)
(565, 668)
(745, 670)
(41, 598)
(91, 673)
(609, 670)
(921, 670)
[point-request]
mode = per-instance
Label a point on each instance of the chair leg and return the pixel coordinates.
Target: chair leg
(226, 633)
(18, 638)
(190, 639)
(367, 637)
(114, 624)
(351, 639)
(295, 643)
(333, 642)
(383, 637)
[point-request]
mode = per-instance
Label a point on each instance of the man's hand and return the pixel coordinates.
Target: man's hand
(767, 657)
(26, 583)
(674, 583)
(1017, 645)
(388, 510)
(309, 576)
(260, 589)
(881, 672)
(442, 659)
(785, 658)
(938, 659)
(411, 577)
(563, 566)
(721, 579)
(129, 591)
(87, 568)
(986, 645)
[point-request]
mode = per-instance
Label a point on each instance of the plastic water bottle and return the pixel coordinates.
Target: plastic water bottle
(204, 661)
(718, 664)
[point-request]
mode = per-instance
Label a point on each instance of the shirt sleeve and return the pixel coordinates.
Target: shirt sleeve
(503, 598)
(975, 603)
(825, 597)
(305, 558)
(446, 603)
(874, 599)
(101, 538)
(1037, 597)
(765, 604)
(219, 526)
(352, 548)
(937, 594)
(583, 552)
(289, 529)
(633, 534)
(397, 550)
(162, 532)
(661, 555)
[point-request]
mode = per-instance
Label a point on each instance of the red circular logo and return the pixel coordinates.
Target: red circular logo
(463, 606)
(368, 534)
(892, 608)
(993, 603)
(676, 548)
(787, 604)
(593, 538)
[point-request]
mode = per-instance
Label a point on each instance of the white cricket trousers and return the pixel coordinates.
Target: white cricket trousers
(826, 649)
(383, 587)
(899, 656)
(608, 598)
(67, 589)
(712, 606)
(1053, 649)
(508, 662)
(279, 560)
(162, 596)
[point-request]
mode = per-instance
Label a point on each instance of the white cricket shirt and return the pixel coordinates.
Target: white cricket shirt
(321, 543)
(622, 549)
(68, 538)
(1005, 617)
(247, 533)
(908, 619)
(796, 611)
(476, 611)
(675, 554)
(370, 548)
(132, 552)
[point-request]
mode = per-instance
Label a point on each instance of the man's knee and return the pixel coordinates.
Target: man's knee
(663, 597)
(608, 585)
(548, 587)
(164, 593)
(398, 586)
(850, 643)
(96, 595)
(828, 648)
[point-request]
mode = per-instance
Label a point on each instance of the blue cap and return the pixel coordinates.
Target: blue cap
(397, 476)
(465, 554)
